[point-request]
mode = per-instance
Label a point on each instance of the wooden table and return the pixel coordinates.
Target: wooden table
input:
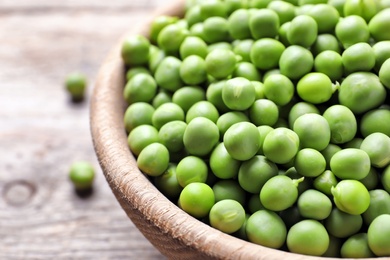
(42, 132)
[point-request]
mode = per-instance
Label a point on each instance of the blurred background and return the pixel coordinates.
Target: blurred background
(42, 132)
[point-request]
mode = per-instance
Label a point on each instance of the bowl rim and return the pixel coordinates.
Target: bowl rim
(133, 190)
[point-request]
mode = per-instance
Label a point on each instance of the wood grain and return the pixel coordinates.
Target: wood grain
(42, 132)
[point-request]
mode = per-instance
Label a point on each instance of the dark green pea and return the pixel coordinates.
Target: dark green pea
(356, 246)
(326, 17)
(155, 58)
(141, 88)
(371, 180)
(325, 42)
(385, 179)
(215, 29)
(290, 216)
(171, 37)
(197, 31)
(266, 19)
(285, 10)
(171, 135)
(329, 63)
(193, 15)
(354, 143)
(213, 8)
(135, 50)
(334, 248)
(246, 70)
(162, 97)
(159, 23)
(238, 24)
(264, 130)
(299, 109)
(214, 95)
(243, 48)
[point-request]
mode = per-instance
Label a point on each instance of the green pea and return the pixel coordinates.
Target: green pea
(326, 17)
(329, 63)
(385, 179)
(378, 26)
(142, 136)
(159, 23)
(285, 10)
(242, 140)
(295, 62)
(246, 70)
(193, 15)
(193, 70)
(325, 42)
(358, 57)
(171, 37)
(309, 162)
(135, 50)
(308, 237)
(165, 113)
(167, 182)
(238, 24)
(334, 248)
(290, 216)
(193, 45)
(222, 164)
(378, 235)
(281, 145)
(215, 29)
(350, 163)
(364, 8)
(267, 19)
(375, 120)
(230, 118)
(265, 53)
(229, 189)
(171, 135)
(162, 97)
(200, 136)
(82, 174)
(220, 46)
(197, 30)
(325, 181)
(379, 204)
(351, 196)
(352, 29)
(258, 3)
(342, 123)
(341, 224)
(136, 70)
(191, 169)
(279, 89)
(314, 204)
(227, 215)
(238, 93)
(377, 146)
(76, 84)
(384, 73)
(255, 172)
(136, 114)
(313, 131)
(371, 180)
(153, 160)
(356, 246)
(141, 88)
(202, 108)
(354, 143)
(167, 74)
(339, 5)
(382, 53)
(254, 203)
(243, 49)
(264, 112)
(156, 55)
(302, 31)
(187, 96)
(315, 88)
(220, 63)
(197, 199)
(282, 33)
(214, 95)
(304, 183)
(299, 109)
(277, 199)
(266, 228)
(212, 8)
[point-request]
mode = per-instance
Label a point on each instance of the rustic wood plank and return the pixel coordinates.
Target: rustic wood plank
(42, 132)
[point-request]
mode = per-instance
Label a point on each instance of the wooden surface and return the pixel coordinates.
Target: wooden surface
(42, 132)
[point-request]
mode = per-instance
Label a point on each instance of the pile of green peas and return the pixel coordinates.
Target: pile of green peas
(269, 120)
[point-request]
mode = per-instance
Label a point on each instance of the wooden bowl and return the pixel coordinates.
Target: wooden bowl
(173, 232)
